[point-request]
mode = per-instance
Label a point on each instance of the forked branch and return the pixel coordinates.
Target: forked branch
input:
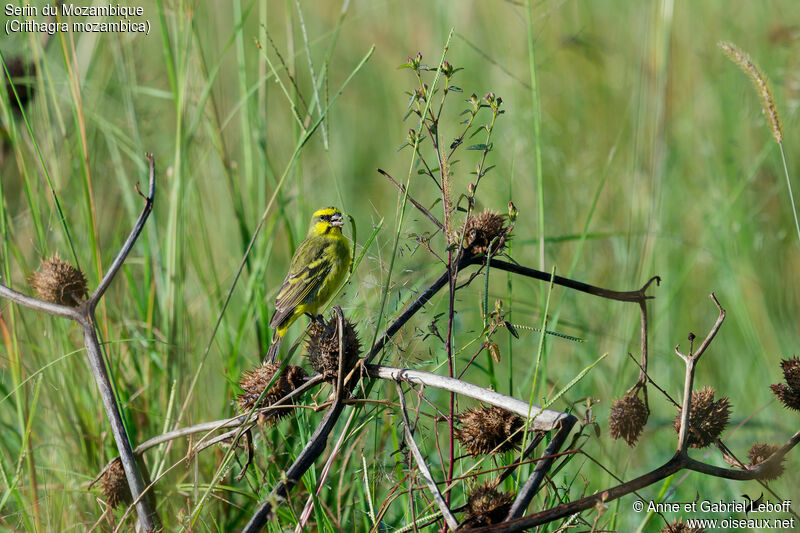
(83, 314)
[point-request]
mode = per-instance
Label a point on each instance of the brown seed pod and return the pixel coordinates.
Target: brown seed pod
(489, 429)
(115, 485)
(322, 348)
(486, 506)
(759, 453)
(788, 396)
(484, 231)
(707, 418)
(791, 372)
(679, 526)
(58, 282)
(255, 381)
(627, 419)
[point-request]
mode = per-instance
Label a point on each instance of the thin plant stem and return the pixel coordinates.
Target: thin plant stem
(789, 187)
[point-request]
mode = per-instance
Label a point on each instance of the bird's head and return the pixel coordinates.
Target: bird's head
(326, 221)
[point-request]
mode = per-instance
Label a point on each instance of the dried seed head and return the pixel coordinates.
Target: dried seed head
(59, 282)
(628, 417)
(788, 396)
(484, 231)
(761, 84)
(791, 372)
(707, 418)
(679, 526)
(486, 505)
(759, 453)
(115, 485)
(322, 348)
(489, 429)
(255, 381)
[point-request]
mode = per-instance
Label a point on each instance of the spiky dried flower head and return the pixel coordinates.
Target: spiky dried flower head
(761, 84)
(791, 372)
(115, 485)
(679, 526)
(486, 505)
(789, 393)
(484, 231)
(627, 419)
(759, 453)
(789, 397)
(322, 348)
(58, 282)
(707, 418)
(254, 382)
(489, 429)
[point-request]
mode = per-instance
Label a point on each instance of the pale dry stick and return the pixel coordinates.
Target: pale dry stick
(541, 419)
(83, 314)
(452, 523)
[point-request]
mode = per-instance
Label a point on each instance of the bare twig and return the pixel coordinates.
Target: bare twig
(131, 240)
(423, 468)
(622, 296)
(691, 364)
(73, 313)
(413, 202)
(535, 480)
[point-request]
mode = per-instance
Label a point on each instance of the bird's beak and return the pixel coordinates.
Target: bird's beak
(336, 220)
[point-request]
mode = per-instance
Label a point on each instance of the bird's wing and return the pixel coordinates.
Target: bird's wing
(302, 279)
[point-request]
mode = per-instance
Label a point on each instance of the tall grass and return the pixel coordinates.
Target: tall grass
(629, 146)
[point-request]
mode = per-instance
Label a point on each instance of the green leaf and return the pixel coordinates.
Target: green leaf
(455, 89)
(480, 147)
(512, 329)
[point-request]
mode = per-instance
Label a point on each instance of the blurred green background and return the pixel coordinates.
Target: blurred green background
(656, 160)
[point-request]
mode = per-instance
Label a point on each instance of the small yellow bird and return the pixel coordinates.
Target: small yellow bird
(318, 267)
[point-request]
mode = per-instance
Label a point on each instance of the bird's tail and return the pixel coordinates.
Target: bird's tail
(272, 353)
